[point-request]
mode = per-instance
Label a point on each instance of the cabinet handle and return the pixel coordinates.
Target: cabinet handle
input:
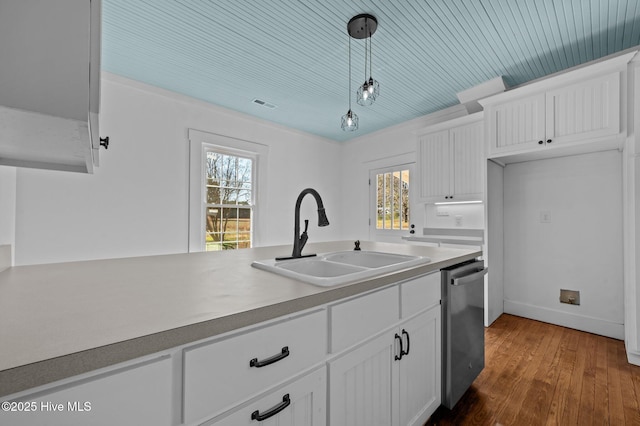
(399, 357)
(404, 333)
(540, 142)
(255, 363)
(549, 141)
(272, 411)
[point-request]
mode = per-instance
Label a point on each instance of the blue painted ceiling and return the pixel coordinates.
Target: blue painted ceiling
(294, 53)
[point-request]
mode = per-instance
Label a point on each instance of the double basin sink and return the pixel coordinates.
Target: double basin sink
(336, 268)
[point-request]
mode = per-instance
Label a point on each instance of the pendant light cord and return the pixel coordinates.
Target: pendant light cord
(366, 23)
(349, 73)
(370, 55)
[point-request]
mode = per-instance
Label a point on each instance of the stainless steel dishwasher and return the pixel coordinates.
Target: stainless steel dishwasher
(462, 328)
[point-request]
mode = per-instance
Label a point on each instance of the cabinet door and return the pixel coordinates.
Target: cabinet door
(132, 396)
(517, 125)
(361, 385)
(435, 165)
(420, 369)
(301, 403)
(468, 154)
(589, 109)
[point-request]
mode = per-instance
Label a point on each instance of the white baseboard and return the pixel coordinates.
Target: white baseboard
(5, 257)
(633, 357)
(565, 319)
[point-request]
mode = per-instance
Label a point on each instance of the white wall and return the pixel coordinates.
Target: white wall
(7, 212)
(579, 249)
(494, 247)
(136, 203)
(444, 216)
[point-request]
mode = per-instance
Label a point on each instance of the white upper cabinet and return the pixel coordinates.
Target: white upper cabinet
(50, 84)
(450, 160)
(574, 112)
(518, 124)
(590, 109)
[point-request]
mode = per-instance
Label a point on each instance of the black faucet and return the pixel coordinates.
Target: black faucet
(300, 240)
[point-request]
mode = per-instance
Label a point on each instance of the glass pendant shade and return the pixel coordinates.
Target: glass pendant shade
(349, 122)
(367, 93)
(373, 87)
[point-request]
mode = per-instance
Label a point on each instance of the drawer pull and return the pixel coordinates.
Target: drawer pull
(272, 411)
(399, 339)
(255, 363)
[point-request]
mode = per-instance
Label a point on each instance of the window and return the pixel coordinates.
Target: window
(228, 183)
(391, 207)
(226, 175)
(392, 199)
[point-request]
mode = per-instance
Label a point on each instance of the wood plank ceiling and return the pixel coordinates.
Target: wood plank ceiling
(294, 53)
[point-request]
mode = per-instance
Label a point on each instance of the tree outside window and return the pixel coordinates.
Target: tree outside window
(229, 195)
(392, 200)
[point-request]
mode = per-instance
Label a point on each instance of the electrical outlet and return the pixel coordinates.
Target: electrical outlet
(458, 220)
(545, 216)
(572, 297)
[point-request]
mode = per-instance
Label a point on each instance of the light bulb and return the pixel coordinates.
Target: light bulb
(349, 122)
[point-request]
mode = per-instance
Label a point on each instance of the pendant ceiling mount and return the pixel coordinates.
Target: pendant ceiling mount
(362, 26)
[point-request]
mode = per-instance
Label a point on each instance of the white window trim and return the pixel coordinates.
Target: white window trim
(199, 143)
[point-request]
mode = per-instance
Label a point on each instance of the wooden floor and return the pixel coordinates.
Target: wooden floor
(541, 374)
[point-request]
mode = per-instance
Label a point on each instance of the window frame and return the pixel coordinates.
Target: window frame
(199, 144)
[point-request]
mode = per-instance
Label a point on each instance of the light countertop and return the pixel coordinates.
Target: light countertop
(60, 320)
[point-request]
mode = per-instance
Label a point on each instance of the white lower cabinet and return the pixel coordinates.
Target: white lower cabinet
(393, 378)
(130, 396)
(303, 402)
(420, 370)
(361, 384)
(382, 383)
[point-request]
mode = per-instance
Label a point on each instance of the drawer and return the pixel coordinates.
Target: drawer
(134, 395)
(219, 375)
(357, 319)
(300, 403)
(420, 293)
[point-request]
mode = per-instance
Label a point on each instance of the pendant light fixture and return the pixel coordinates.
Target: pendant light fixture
(362, 27)
(350, 119)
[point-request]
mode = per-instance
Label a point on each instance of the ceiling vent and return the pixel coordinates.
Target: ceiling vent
(263, 103)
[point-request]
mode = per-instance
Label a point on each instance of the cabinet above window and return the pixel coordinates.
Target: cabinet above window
(50, 84)
(450, 160)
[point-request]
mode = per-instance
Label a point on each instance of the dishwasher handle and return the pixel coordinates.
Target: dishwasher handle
(470, 278)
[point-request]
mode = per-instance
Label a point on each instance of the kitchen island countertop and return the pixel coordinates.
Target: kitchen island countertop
(60, 320)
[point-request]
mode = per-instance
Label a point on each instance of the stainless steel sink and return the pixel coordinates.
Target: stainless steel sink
(336, 268)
